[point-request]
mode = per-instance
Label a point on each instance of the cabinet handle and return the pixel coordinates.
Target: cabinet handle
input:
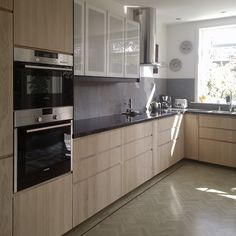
(47, 68)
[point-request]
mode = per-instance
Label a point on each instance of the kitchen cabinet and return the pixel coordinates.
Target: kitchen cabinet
(95, 193)
(45, 209)
(168, 142)
(6, 84)
(97, 176)
(217, 140)
(44, 24)
(96, 41)
(6, 4)
(6, 189)
(115, 46)
(137, 155)
(105, 44)
(137, 170)
(78, 37)
(132, 49)
(191, 136)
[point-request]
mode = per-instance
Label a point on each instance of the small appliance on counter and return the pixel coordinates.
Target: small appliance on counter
(181, 103)
(154, 107)
(166, 101)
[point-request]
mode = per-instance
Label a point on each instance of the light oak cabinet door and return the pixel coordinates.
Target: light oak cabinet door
(132, 49)
(95, 193)
(217, 140)
(44, 24)
(95, 41)
(6, 4)
(78, 37)
(45, 210)
(137, 170)
(6, 189)
(115, 46)
(168, 142)
(217, 152)
(6, 84)
(191, 136)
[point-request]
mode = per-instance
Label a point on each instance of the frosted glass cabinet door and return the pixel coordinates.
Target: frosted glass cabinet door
(78, 37)
(132, 50)
(95, 41)
(115, 46)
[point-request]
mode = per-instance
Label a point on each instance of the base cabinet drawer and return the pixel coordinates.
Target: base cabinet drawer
(45, 210)
(136, 171)
(92, 195)
(217, 152)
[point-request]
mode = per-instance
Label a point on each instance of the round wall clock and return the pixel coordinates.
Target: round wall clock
(175, 64)
(186, 47)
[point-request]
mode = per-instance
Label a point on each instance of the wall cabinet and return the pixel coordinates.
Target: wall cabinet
(6, 4)
(78, 37)
(168, 142)
(6, 189)
(105, 45)
(191, 136)
(96, 41)
(6, 84)
(44, 210)
(115, 46)
(132, 49)
(217, 140)
(44, 24)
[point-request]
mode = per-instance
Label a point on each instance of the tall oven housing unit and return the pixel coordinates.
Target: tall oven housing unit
(43, 114)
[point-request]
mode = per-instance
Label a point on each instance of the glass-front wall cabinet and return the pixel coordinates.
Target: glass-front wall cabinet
(105, 45)
(116, 51)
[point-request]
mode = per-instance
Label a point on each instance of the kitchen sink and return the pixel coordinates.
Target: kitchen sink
(131, 113)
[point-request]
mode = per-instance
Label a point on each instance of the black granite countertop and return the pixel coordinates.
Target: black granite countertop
(96, 125)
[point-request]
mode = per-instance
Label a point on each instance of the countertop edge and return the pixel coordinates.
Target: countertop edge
(123, 125)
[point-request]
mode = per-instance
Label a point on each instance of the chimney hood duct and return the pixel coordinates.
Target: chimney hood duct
(148, 48)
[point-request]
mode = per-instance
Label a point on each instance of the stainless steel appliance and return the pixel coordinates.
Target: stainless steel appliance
(181, 103)
(42, 146)
(166, 101)
(42, 79)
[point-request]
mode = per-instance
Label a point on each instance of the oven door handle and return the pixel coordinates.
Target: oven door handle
(47, 128)
(47, 68)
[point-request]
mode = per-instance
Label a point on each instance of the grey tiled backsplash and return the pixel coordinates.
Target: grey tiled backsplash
(181, 88)
(94, 99)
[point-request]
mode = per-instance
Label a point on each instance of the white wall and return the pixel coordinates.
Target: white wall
(188, 31)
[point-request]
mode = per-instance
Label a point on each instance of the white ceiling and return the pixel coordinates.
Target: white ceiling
(187, 10)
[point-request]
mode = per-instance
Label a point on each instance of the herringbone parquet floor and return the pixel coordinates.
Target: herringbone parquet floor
(195, 200)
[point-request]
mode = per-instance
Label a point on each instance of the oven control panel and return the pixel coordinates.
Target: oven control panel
(45, 115)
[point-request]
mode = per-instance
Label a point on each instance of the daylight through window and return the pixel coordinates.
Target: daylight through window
(217, 64)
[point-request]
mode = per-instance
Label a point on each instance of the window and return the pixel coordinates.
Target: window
(217, 64)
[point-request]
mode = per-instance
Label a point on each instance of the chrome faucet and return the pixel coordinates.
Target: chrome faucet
(229, 98)
(129, 109)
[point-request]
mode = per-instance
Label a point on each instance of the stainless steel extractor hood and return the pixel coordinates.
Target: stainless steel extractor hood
(148, 47)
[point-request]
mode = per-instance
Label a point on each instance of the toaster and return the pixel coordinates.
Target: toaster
(181, 103)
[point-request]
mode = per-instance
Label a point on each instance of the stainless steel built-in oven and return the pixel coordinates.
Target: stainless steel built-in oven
(43, 144)
(42, 79)
(43, 114)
